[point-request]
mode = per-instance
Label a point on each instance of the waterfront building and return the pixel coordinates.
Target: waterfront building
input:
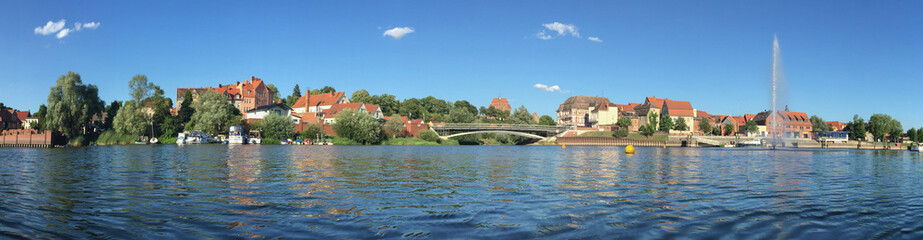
(786, 124)
(315, 103)
(576, 110)
(329, 115)
(9, 120)
(628, 111)
(244, 96)
(676, 110)
(501, 104)
(257, 114)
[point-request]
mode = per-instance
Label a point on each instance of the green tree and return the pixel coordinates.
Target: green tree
(71, 104)
(111, 111)
(467, 106)
(139, 89)
(394, 126)
(4, 107)
(213, 114)
(497, 113)
(296, 94)
(275, 126)
(460, 115)
(40, 115)
(312, 131)
(647, 130)
(728, 129)
(428, 135)
(652, 120)
(879, 125)
(274, 93)
(548, 121)
(129, 120)
(358, 126)
(522, 116)
(716, 130)
(912, 134)
(705, 126)
(818, 124)
(388, 104)
(327, 89)
(895, 130)
(856, 127)
(666, 122)
(184, 114)
(919, 135)
(751, 127)
(620, 133)
(413, 108)
(361, 96)
(681, 124)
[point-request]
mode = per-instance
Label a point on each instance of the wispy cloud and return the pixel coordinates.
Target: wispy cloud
(90, 25)
(51, 27)
(595, 39)
(546, 88)
(58, 27)
(398, 32)
(541, 35)
(562, 28)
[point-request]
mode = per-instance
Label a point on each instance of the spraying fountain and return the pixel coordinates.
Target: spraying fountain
(777, 83)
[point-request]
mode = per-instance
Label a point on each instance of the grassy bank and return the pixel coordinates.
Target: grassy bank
(113, 138)
(407, 141)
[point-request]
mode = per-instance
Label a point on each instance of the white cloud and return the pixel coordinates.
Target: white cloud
(63, 33)
(58, 27)
(546, 88)
(398, 32)
(562, 28)
(51, 27)
(541, 35)
(595, 39)
(91, 25)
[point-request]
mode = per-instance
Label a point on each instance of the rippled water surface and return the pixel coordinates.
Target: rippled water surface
(328, 192)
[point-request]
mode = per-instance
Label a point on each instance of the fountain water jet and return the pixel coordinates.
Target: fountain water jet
(777, 97)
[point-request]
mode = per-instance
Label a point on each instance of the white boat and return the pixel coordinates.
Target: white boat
(750, 143)
(154, 141)
(193, 137)
(254, 137)
(236, 135)
(915, 148)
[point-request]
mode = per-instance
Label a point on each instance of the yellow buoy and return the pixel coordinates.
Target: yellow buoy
(563, 146)
(630, 149)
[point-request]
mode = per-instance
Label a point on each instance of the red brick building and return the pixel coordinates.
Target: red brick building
(244, 96)
(500, 103)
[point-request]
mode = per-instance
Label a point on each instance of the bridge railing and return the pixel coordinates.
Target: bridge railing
(480, 126)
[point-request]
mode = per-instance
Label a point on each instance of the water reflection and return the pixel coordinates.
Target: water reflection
(322, 192)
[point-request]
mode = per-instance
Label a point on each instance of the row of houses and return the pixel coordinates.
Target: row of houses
(14, 119)
(601, 114)
(254, 100)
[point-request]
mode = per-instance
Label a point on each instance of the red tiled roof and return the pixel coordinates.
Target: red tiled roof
(836, 125)
(323, 99)
(371, 107)
(702, 114)
(679, 108)
(337, 108)
(654, 101)
(22, 115)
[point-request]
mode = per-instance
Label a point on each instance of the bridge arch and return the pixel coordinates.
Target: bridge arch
(528, 135)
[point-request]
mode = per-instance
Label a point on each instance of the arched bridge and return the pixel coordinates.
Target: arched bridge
(448, 130)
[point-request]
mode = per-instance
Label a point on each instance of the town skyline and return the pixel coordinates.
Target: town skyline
(717, 60)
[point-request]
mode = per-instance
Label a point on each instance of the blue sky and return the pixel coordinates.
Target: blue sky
(841, 57)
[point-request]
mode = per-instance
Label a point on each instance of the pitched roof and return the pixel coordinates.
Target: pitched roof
(270, 106)
(581, 102)
(323, 99)
(678, 108)
(22, 115)
(337, 108)
(371, 107)
(8, 116)
(702, 114)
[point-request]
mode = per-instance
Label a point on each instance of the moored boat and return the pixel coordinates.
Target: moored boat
(236, 135)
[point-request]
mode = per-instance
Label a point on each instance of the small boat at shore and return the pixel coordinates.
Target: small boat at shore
(915, 148)
(750, 143)
(236, 135)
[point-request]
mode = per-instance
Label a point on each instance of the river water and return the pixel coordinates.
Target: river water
(439, 192)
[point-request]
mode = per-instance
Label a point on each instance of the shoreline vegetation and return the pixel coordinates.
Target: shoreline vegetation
(75, 110)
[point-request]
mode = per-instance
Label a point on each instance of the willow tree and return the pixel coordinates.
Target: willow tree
(358, 126)
(129, 120)
(213, 113)
(71, 105)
